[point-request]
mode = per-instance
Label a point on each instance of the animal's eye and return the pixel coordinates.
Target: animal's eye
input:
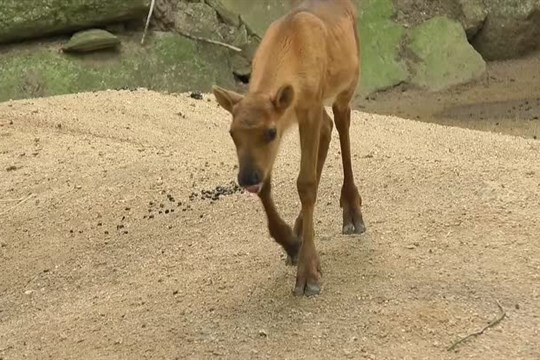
(271, 134)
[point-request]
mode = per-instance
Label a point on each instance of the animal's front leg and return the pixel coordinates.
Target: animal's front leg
(279, 230)
(309, 269)
(324, 143)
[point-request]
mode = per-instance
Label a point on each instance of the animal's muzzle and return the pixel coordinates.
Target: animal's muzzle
(249, 177)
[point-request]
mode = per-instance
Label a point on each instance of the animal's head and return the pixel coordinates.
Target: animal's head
(258, 123)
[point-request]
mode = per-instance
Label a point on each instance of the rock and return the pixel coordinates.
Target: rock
(511, 29)
(226, 15)
(171, 63)
(241, 68)
(202, 20)
(258, 15)
(198, 19)
(473, 15)
(380, 40)
(443, 56)
(91, 40)
(414, 12)
(163, 16)
(22, 19)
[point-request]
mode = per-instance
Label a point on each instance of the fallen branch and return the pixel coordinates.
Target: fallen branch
(21, 201)
(152, 5)
(478, 333)
(214, 42)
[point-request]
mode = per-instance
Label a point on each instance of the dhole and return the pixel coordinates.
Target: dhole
(306, 59)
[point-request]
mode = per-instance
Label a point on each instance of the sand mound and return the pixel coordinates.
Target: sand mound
(122, 237)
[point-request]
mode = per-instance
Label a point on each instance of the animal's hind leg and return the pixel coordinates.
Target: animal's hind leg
(324, 144)
(350, 200)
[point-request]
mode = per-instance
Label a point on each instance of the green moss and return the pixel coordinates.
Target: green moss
(375, 10)
(167, 63)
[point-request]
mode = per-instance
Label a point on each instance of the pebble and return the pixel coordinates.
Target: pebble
(196, 95)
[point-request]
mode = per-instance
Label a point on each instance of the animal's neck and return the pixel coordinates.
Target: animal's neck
(272, 66)
(266, 77)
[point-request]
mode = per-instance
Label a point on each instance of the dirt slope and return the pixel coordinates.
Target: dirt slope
(90, 268)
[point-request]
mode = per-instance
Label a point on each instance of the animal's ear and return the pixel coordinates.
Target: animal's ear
(284, 98)
(226, 98)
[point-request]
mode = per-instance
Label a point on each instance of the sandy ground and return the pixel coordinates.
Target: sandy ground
(106, 254)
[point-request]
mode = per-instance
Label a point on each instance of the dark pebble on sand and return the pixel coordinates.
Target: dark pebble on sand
(196, 95)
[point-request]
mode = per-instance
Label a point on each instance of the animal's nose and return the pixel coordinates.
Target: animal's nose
(249, 178)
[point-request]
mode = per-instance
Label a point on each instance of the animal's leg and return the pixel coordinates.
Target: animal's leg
(309, 269)
(279, 230)
(324, 144)
(350, 200)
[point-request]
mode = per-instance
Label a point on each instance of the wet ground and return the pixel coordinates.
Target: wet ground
(506, 100)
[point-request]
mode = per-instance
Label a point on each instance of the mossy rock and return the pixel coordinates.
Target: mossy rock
(380, 44)
(91, 40)
(443, 55)
(24, 19)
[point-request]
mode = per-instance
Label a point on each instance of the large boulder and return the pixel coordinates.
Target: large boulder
(512, 29)
(442, 55)
(26, 19)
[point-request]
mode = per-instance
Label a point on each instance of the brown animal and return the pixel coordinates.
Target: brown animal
(306, 59)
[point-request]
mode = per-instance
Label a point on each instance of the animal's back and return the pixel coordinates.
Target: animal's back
(315, 47)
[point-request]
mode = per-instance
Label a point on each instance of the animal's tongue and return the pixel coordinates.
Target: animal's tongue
(254, 189)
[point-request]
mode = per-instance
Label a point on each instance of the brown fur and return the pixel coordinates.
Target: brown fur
(306, 59)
